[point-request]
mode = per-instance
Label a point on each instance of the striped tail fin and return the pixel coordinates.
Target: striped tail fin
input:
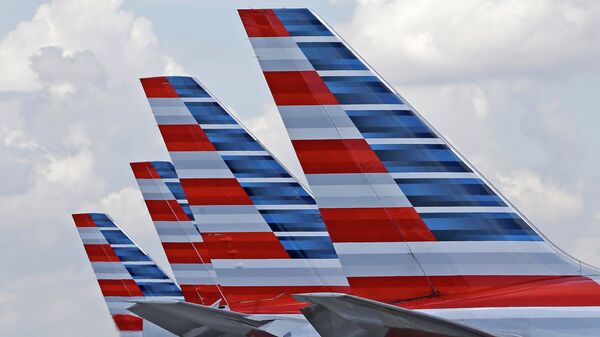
(179, 235)
(124, 273)
(407, 215)
(262, 229)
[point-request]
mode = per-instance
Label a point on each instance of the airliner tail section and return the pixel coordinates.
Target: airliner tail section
(124, 273)
(408, 216)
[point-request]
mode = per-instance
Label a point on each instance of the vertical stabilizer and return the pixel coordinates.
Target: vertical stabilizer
(262, 229)
(407, 214)
(124, 273)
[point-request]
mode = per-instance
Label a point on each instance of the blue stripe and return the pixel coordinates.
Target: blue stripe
(186, 87)
(308, 247)
(148, 272)
(102, 220)
(298, 220)
(176, 189)
(301, 22)
(277, 193)
(360, 90)
(255, 167)
(330, 56)
(116, 237)
(389, 124)
(130, 254)
(159, 289)
(448, 192)
(232, 140)
(165, 169)
(419, 158)
(209, 113)
(187, 209)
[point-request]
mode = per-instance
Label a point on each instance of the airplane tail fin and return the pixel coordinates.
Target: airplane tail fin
(173, 219)
(124, 272)
(406, 213)
(262, 229)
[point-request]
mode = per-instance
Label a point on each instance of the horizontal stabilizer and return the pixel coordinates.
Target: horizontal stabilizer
(337, 315)
(188, 319)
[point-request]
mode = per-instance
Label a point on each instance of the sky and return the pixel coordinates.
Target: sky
(512, 84)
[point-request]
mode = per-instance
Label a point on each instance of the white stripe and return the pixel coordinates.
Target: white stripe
(374, 141)
(345, 73)
(375, 107)
(220, 126)
(266, 207)
(481, 247)
(152, 280)
(461, 209)
(275, 263)
(197, 99)
(267, 180)
(443, 247)
(441, 175)
(243, 153)
(138, 263)
(315, 39)
(515, 312)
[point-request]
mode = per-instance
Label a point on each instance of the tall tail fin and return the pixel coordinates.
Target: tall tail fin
(406, 213)
(179, 235)
(262, 230)
(124, 272)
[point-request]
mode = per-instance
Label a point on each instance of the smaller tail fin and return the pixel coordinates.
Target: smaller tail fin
(124, 273)
(183, 243)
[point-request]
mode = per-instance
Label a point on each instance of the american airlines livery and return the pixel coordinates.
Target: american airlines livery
(399, 236)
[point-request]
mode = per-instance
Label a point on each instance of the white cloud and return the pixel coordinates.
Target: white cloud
(541, 200)
(73, 116)
(124, 44)
(432, 40)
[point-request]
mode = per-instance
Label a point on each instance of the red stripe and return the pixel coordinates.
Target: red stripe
(186, 252)
(144, 170)
(298, 88)
(553, 291)
(337, 156)
(217, 191)
(158, 87)
(121, 288)
(83, 220)
(201, 294)
(128, 323)
(375, 225)
(270, 299)
(262, 23)
(254, 245)
(101, 253)
(185, 138)
(390, 289)
(166, 210)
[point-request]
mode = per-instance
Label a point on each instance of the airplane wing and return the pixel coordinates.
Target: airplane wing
(341, 315)
(193, 320)
(408, 216)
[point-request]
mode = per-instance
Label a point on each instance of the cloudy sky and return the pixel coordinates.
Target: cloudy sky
(512, 84)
